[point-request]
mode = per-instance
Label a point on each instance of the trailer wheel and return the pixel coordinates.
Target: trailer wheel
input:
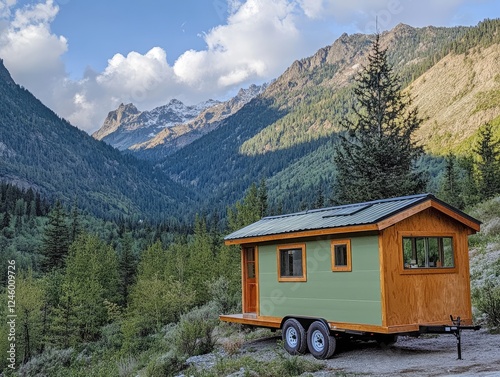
(319, 341)
(294, 337)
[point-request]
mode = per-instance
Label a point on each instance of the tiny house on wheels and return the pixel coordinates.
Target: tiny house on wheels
(372, 270)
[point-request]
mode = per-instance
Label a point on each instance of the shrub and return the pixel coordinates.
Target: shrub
(165, 365)
(220, 293)
(111, 336)
(232, 345)
(47, 364)
(127, 367)
(194, 333)
(487, 301)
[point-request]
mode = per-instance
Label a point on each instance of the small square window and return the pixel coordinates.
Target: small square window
(292, 263)
(341, 255)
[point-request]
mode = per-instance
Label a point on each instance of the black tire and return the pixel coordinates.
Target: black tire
(321, 344)
(294, 337)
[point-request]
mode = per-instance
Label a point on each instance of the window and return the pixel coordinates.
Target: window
(250, 262)
(292, 263)
(341, 255)
(428, 252)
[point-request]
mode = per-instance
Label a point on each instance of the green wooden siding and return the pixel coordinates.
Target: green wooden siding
(352, 297)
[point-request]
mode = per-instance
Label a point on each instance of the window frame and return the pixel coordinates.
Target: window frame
(342, 268)
(281, 248)
(428, 270)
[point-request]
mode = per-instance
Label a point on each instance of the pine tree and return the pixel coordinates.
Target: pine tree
(450, 189)
(201, 263)
(75, 222)
(376, 156)
(320, 198)
(262, 194)
(251, 209)
(90, 280)
(56, 239)
(489, 163)
(29, 304)
(127, 268)
(470, 190)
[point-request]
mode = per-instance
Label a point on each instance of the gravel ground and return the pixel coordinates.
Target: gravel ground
(428, 355)
(423, 356)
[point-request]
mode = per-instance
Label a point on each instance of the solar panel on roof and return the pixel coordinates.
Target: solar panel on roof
(346, 211)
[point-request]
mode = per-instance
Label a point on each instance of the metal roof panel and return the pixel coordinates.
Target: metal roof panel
(332, 217)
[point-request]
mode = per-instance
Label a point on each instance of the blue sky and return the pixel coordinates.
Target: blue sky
(84, 58)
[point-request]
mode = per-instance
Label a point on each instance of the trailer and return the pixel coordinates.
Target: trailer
(371, 270)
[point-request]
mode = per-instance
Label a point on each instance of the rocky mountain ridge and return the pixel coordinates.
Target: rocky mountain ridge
(127, 125)
(165, 129)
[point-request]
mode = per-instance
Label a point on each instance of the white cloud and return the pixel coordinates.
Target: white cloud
(27, 45)
(260, 35)
(257, 42)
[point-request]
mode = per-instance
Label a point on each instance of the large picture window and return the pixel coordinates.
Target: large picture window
(292, 263)
(428, 252)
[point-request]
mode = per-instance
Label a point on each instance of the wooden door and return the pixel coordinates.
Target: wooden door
(250, 280)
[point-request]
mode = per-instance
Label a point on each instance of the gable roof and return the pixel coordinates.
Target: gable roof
(369, 216)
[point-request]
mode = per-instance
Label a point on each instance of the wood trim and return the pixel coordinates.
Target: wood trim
(306, 233)
(302, 278)
(456, 216)
(243, 277)
(257, 279)
(383, 297)
(343, 326)
(348, 267)
(261, 321)
(403, 215)
(428, 204)
(275, 322)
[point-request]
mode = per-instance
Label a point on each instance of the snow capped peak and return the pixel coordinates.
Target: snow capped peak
(127, 126)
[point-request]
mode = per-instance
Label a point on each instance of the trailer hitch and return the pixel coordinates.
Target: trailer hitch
(454, 329)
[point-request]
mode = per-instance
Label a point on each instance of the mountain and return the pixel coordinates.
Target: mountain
(162, 131)
(286, 135)
(42, 151)
(127, 126)
(457, 95)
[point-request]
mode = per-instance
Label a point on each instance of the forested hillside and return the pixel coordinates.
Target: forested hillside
(287, 135)
(41, 151)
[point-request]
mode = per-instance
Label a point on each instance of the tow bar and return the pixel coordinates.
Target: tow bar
(454, 329)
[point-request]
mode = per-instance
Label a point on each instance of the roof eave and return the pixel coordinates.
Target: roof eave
(429, 201)
(432, 202)
(302, 234)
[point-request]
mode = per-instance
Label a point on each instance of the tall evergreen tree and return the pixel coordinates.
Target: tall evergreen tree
(127, 268)
(263, 198)
(489, 163)
(470, 190)
(376, 156)
(29, 304)
(75, 222)
(252, 208)
(91, 279)
(450, 189)
(56, 239)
